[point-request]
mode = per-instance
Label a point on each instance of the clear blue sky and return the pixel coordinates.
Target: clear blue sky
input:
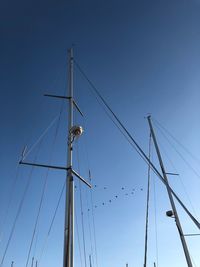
(144, 56)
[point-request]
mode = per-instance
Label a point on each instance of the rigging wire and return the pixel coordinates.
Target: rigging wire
(193, 261)
(81, 205)
(20, 207)
(35, 245)
(181, 181)
(76, 217)
(176, 140)
(85, 143)
(52, 222)
(90, 232)
(91, 197)
(56, 79)
(147, 206)
(93, 223)
(37, 217)
(88, 214)
(58, 203)
(45, 184)
(9, 202)
(135, 145)
(155, 220)
(79, 243)
(39, 141)
(180, 155)
(42, 136)
(118, 124)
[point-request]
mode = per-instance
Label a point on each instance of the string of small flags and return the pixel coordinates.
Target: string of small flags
(116, 196)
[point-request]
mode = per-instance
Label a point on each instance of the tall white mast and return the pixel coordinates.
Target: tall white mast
(68, 255)
(175, 213)
(147, 207)
(73, 132)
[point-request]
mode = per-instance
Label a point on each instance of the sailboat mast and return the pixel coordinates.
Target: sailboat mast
(73, 132)
(178, 224)
(147, 206)
(68, 254)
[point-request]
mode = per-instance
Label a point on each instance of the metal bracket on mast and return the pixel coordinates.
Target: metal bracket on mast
(43, 165)
(68, 98)
(58, 168)
(191, 234)
(81, 178)
(171, 173)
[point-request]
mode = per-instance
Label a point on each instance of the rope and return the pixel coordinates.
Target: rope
(19, 208)
(147, 206)
(135, 145)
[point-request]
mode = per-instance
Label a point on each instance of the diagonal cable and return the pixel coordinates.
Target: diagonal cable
(44, 186)
(136, 146)
(19, 208)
